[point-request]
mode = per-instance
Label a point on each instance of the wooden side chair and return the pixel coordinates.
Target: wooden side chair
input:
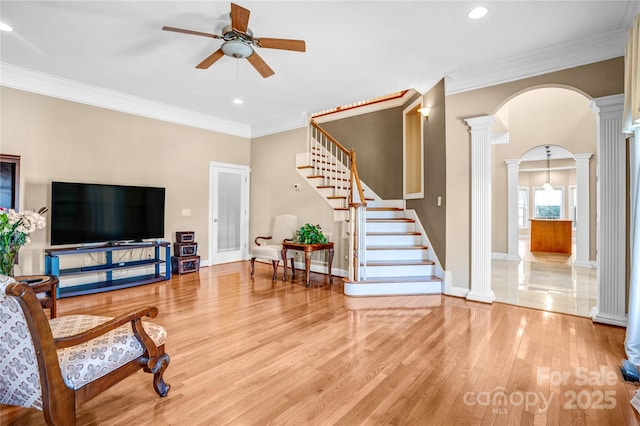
(56, 365)
(284, 228)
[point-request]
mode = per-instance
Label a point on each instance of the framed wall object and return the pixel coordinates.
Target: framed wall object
(10, 181)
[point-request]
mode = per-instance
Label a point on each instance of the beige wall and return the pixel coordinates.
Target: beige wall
(595, 80)
(546, 116)
(273, 175)
(67, 141)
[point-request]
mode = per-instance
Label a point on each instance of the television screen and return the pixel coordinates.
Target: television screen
(94, 213)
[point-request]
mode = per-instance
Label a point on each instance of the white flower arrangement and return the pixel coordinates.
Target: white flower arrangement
(15, 230)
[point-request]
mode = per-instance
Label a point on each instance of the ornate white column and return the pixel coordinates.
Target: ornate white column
(513, 230)
(611, 212)
(480, 274)
(582, 210)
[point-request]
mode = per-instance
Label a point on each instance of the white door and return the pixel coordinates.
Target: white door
(228, 213)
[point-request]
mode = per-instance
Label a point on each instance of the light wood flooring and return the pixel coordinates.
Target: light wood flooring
(244, 352)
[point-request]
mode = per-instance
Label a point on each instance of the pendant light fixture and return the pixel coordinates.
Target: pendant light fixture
(547, 185)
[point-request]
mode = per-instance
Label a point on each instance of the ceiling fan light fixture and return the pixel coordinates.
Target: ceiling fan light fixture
(237, 49)
(477, 12)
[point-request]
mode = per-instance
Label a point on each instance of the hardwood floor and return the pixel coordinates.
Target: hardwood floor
(246, 353)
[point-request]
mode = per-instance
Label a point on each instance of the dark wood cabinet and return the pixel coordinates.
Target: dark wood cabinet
(9, 181)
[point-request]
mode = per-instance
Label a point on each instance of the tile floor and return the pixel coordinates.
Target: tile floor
(546, 281)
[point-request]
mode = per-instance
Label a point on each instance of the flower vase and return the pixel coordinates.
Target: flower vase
(7, 261)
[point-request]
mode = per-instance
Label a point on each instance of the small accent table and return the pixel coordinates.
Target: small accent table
(47, 284)
(308, 249)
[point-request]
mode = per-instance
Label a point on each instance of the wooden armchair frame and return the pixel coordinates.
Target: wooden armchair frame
(59, 402)
(275, 263)
(284, 227)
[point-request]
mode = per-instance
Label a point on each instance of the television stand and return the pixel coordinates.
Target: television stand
(52, 267)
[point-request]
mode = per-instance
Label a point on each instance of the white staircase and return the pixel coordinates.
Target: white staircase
(395, 259)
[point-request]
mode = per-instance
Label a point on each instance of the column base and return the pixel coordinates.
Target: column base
(597, 316)
(484, 296)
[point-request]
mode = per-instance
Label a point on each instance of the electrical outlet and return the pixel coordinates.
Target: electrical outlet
(87, 261)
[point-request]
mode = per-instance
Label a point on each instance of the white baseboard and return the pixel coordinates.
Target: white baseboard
(506, 256)
(449, 289)
(586, 264)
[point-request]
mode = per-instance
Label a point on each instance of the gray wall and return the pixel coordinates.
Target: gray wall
(377, 139)
(434, 218)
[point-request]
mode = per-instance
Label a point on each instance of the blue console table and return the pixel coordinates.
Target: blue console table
(52, 267)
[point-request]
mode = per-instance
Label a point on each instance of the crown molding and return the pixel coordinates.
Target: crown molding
(49, 85)
(588, 50)
(290, 122)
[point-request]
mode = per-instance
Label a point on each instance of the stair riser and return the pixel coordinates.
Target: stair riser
(390, 227)
(331, 174)
(391, 240)
(337, 202)
(400, 271)
(395, 288)
(417, 254)
(384, 214)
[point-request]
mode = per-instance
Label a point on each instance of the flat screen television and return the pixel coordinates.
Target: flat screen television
(93, 213)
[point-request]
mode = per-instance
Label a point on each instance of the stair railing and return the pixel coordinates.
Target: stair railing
(333, 161)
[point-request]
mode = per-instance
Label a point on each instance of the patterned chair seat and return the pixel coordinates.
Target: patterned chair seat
(86, 362)
(56, 365)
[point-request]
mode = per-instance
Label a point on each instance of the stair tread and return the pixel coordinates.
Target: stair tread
(377, 280)
(397, 247)
(399, 262)
(391, 219)
(305, 167)
(381, 234)
(385, 209)
(337, 197)
(325, 186)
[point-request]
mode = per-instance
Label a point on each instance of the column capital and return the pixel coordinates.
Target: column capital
(582, 157)
(513, 163)
(481, 123)
(606, 105)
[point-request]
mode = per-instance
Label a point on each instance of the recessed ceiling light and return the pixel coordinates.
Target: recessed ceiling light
(477, 13)
(5, 27)
(237, 101)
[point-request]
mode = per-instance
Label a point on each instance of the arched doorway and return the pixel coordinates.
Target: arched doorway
(549, 116)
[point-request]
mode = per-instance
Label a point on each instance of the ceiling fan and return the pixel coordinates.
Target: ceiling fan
(239, 42)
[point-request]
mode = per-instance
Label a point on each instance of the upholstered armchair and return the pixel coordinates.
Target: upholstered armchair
(284, 228)
(55, 365)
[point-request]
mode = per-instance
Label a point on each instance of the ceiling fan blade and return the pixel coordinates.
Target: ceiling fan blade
(210, 59)
(281, 43)
(260, 65)
(181, 30)
(239, 18)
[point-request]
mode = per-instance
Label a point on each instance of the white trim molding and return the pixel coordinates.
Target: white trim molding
(62, 88)
(590, 49)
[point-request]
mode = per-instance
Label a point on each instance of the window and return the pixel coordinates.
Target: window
(548, 204)
(523, 207)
